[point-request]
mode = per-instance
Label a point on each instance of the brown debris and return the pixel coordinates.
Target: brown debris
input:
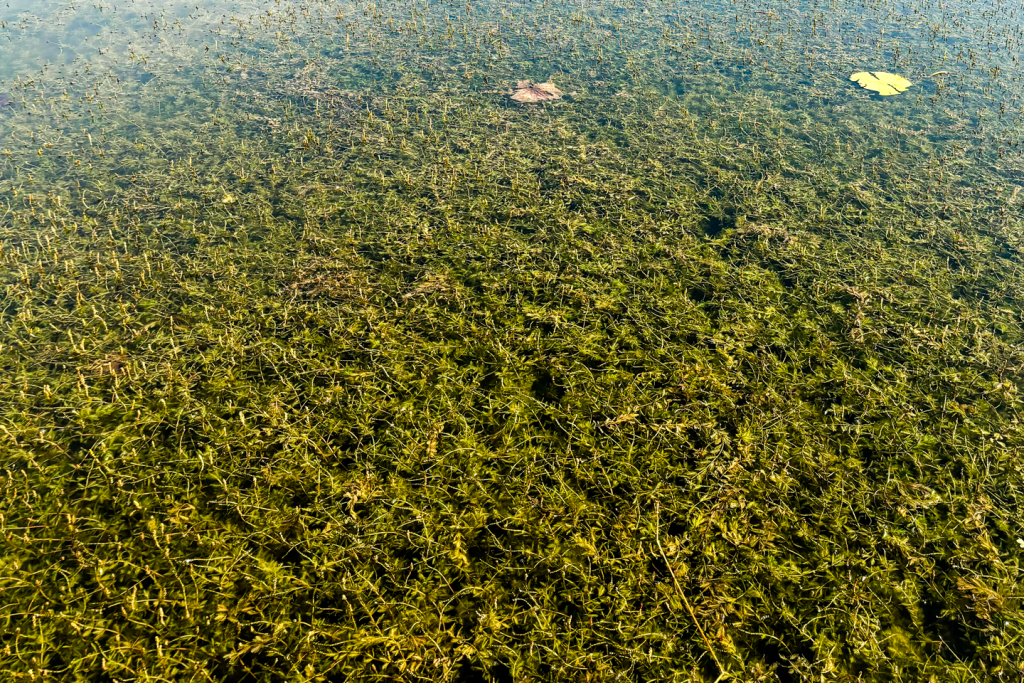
(528, 93)
(113, 364)
(772, 233)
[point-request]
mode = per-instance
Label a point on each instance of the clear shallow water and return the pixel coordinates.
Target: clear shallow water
(323, 359)
(139, 87)
(798, 57)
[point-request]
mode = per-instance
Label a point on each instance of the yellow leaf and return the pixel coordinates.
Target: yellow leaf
(881, 82)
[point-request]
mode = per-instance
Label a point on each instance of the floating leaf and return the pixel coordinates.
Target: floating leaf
(536, 92)
(881, 82)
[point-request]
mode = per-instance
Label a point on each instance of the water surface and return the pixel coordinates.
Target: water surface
(324, 359)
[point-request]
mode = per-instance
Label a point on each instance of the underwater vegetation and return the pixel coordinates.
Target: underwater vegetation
(323, 358)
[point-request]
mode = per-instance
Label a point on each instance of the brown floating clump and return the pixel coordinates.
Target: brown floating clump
(528, 92)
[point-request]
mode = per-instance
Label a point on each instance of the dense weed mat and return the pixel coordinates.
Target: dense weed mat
(302, 381)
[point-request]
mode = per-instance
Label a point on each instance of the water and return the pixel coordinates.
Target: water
(798, 58)
(324, 359)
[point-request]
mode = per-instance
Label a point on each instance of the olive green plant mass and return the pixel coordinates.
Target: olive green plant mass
(511, 341)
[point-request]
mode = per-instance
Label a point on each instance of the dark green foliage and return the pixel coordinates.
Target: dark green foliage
(413, 384)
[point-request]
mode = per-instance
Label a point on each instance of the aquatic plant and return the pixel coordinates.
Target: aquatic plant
(711, 371)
